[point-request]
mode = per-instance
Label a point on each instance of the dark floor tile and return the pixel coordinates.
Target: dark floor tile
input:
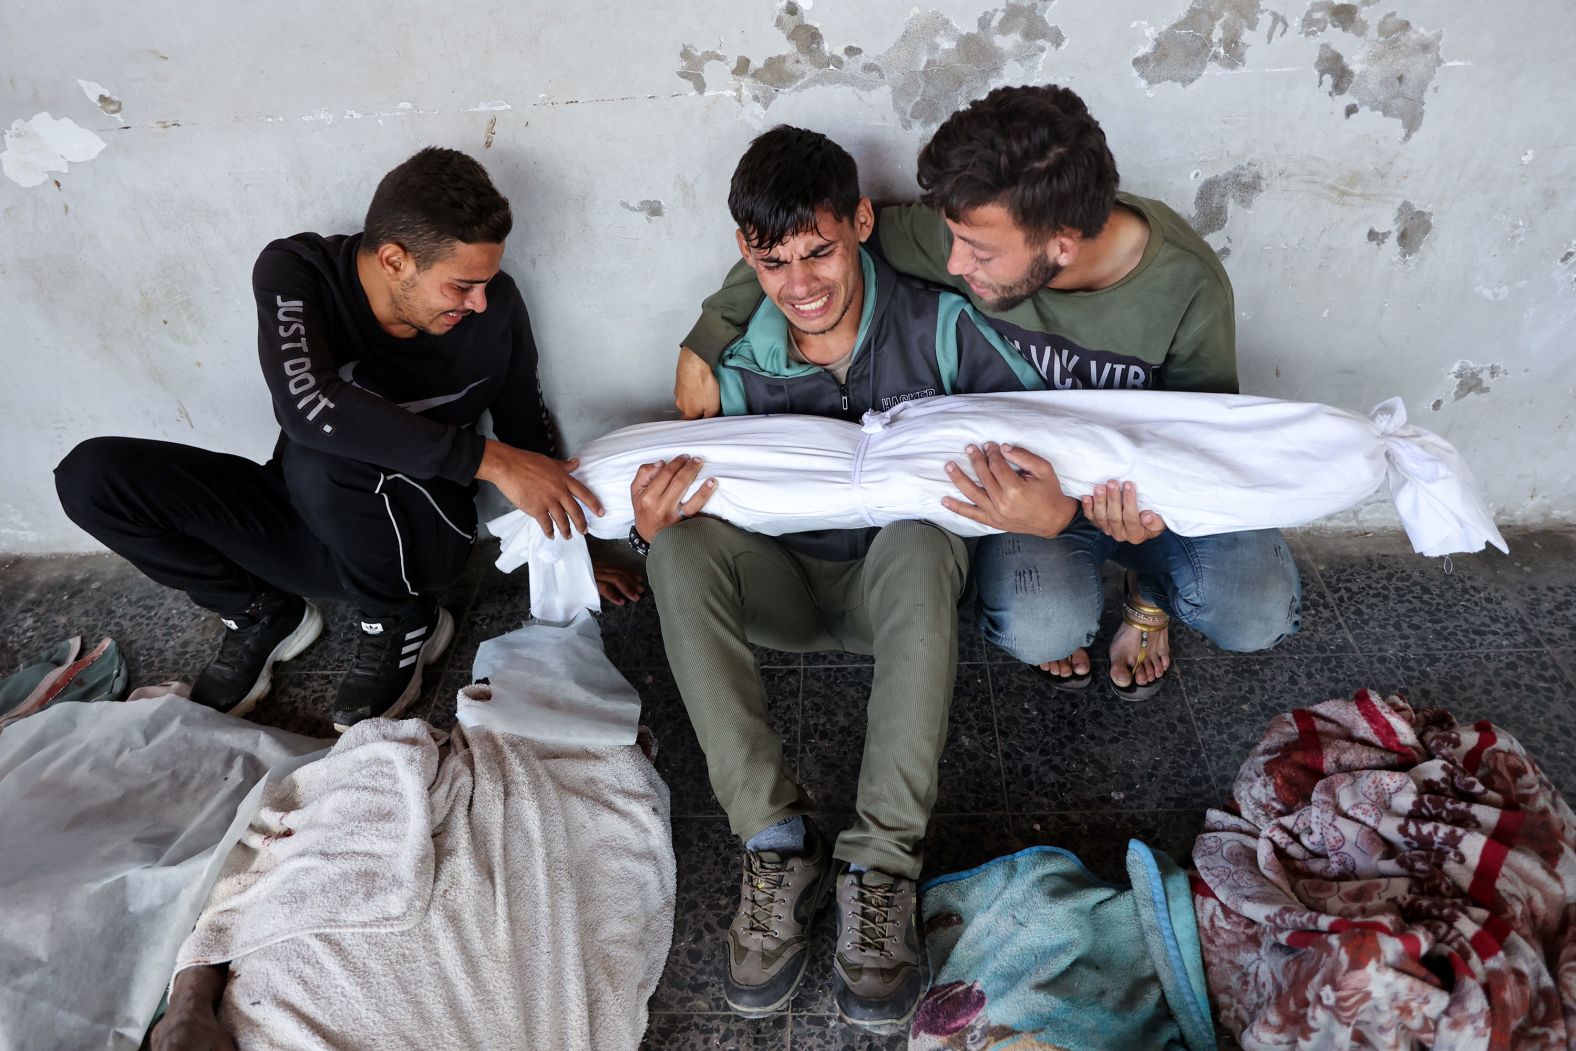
(836, 700)
(490, 615)
(680, 760)
(832, 733)
(725, 1032)
(633, 634)
(300, 701)
(91, 596)
(1401, 601)
(1099, 837)
(708, 859)
(1522, 692)
(335, 649)
(836, 659)
(970, 774)
(444, 691)
(1093, 750)
(826, 1032)
(177, 645)
(957, 842)
(1234, 698)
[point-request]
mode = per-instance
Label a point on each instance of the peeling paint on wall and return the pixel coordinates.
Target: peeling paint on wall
(1412, 227)
(1391, 74)
(36, 147)
(1212, 203)
(1473, 379)
(649, 208)
(99, 95)
(1378, 237)
(1332, 64)
(1210, 31)
(932, 69)
(1322, 14)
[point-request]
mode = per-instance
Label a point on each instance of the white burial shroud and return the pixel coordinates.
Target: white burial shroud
(1207, 463)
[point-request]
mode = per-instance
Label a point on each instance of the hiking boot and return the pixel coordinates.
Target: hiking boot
(878, 977)
(390, 655)
(272, 629)
(769, 938)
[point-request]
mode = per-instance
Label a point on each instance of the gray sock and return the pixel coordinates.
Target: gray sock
(785, 837)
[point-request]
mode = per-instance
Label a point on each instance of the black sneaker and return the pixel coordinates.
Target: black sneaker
(386, 676)
(274, 628)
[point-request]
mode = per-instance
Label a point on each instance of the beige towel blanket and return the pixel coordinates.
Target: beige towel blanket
(494, 892)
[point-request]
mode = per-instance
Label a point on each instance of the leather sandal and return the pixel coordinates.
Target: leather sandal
(1145, 618)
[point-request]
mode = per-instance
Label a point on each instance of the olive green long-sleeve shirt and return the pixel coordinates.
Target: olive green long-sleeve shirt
(1168, 325)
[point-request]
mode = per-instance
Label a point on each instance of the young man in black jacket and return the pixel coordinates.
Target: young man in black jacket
(381, 351)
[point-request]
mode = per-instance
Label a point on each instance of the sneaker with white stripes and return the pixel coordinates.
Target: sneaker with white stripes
(386, 675)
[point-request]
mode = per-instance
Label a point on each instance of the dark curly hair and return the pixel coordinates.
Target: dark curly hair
(437, 197)
(1034, 149)
(785, 175)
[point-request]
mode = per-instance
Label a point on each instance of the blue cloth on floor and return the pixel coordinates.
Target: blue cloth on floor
(1031, 950)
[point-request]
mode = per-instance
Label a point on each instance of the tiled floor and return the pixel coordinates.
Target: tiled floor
(1486, 636)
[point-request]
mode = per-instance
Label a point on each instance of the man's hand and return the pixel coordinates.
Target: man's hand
(1113, 508)
(617, 584)
(658, 494)
(695, 390)
(540, 486)
(1017, 491)
(191, 1022)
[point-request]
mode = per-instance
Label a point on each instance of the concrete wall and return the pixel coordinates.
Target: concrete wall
(1389, 183)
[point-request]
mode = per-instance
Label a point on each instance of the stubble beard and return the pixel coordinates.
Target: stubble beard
(1041, 274)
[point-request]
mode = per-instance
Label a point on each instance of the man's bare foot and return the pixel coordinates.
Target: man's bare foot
(1074, 666)
(1124, 651)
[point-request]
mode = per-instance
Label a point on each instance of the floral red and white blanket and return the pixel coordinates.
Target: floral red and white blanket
(1393, 879)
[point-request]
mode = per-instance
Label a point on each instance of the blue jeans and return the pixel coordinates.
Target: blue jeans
(1040, 599)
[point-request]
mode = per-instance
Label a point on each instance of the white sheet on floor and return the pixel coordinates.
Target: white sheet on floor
(1207, 463)
(509, 894)
(560, 687)
(109, 819)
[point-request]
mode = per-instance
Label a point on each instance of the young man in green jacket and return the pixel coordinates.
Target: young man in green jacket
(838, 333)
(1097, 289)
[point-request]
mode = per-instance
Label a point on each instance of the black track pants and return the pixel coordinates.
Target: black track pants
(226, 530)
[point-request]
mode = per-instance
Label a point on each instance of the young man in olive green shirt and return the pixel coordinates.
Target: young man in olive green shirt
(1097, 289)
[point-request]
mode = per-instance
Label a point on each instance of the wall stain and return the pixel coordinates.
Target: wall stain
(1322, 14)
(1378, 237)
(1331, 63)
(1412, 227)
(933, 68)
(649, 208)
(492, 129)
(1473, 379)
(1212, 203)
(1209, 31)
(1390, 76)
